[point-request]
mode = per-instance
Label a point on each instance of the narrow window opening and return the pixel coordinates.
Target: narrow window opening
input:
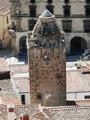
(87, 10)
(87, 97)
(32, 10)
(31, 24)
(66, 11)
(7, 19)
(32, 1)
(86, 26)
(66, 1)
(49, 1)
(87, 1)
(67, 25)
(23, 99)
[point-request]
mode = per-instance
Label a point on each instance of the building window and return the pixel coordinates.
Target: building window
(67, 25)
(50, 8)
(87, 1)
(23, 99)
(32, 10)
(66, 11)
(32, 1)
(31, 24)
(13, 26)
(87, 10)
(87, 26)
(49, 1)
(7, 19)
(87, 97)
(4, 75)
(66, 1)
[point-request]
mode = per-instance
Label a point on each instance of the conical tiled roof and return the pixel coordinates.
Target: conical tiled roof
(46, 13)
(46, 25)
(5, 4)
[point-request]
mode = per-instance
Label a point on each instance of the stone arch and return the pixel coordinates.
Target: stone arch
(22, 45)
(77, 45)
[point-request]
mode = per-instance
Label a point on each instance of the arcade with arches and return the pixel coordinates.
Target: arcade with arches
(78, 45)
(22, 45)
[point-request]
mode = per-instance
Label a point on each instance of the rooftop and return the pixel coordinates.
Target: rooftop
(86, 69)
(76, 81)
(19, 68)
(7, 93)
(5, 5)
(22, 84)
(3, 65)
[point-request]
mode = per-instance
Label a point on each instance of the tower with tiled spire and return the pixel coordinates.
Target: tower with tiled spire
(47, 62)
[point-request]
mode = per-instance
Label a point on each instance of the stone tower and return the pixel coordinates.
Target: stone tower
(47, 62)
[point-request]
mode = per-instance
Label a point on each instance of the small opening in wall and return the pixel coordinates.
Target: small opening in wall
(87, 1)
(39, 96)
(0, 89)
(87, 97)
(59, 62)
(5, 75)
(23, 99)
(66, 1)
(32, 1)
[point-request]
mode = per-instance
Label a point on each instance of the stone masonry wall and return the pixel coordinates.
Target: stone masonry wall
(47, 77)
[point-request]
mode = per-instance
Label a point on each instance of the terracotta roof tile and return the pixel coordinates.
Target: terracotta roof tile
(3, 65)
(22, 84)
(7, 93)
(21, 68)
(5, 4)
(77, 82)
(82, 102)
(5, 101)
(85, 69)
